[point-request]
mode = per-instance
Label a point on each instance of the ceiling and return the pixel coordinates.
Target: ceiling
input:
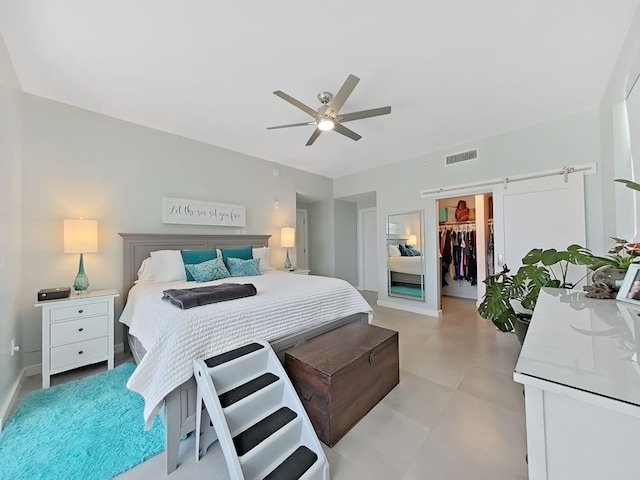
(452, 70)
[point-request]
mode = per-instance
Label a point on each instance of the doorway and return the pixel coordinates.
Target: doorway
(465, 243)
(302, 234)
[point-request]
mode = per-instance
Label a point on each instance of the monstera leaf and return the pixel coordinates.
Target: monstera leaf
(629, 183)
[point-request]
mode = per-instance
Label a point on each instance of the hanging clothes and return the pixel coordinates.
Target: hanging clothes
(458, 252)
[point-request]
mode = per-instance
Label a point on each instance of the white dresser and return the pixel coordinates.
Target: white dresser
(579, 367)
(76, 331)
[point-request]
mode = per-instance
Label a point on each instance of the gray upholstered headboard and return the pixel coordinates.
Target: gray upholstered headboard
(137, 247)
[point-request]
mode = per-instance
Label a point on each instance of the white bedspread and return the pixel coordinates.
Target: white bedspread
(172, 338)
(412, 265)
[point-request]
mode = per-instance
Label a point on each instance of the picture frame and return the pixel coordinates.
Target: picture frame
(630, 289)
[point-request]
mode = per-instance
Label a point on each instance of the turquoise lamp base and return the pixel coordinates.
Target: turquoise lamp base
(287, 262)
(81, 283)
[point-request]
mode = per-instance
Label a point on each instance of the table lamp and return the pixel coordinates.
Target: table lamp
(80, 236)
(412, 241)
(287, 239)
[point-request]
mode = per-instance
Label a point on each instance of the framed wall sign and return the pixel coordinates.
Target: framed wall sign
(196, 212)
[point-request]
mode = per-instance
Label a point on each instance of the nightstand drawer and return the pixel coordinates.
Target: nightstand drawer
(82, 310)
(78, 330)
(80, 353)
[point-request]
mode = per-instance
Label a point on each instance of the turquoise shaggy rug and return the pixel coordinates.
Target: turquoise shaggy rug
(87, 429)
(406, 290)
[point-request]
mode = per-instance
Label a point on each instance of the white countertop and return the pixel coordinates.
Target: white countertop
(584, 343)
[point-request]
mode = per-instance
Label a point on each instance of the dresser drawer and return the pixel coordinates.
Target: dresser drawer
(73, 331)
(76, 311)
(80, 353)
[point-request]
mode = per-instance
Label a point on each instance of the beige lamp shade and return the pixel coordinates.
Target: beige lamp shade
(412, 240)
(287, 237)
(80, 236)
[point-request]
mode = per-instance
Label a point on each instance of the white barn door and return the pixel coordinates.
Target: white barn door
(538, 213)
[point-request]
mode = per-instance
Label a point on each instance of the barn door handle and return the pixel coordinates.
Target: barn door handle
(371, 359)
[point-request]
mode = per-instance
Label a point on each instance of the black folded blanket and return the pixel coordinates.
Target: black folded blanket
(194, 297)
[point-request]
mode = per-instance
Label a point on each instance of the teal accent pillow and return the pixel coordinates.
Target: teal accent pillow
(208, 271)
(403, 250)
(190, 257)
(243, 268)
(414, 252)
(243, 253)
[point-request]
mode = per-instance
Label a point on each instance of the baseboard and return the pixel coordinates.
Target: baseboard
(32, 370)
(118, 348)
(12, 399)
(410, 308)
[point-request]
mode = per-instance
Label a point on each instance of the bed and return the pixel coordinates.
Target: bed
(403, 269)
(169, 387)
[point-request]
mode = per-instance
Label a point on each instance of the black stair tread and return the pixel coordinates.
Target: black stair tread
(232, 354)
(258, 432)
(294, 465)
(232, 396)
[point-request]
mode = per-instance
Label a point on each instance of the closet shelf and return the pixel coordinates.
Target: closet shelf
(468, 222)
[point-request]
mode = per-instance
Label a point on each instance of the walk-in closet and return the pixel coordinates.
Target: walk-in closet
(465, 244)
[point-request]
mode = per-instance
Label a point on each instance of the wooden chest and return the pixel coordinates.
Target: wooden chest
(342, 374)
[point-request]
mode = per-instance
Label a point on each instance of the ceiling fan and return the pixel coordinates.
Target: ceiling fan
(328, 116)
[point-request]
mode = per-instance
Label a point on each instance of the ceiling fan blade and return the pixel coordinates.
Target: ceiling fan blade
(291, 125)
(313, 137)
(374, 112)
(296, 103)
(342, 95)
(346, 132)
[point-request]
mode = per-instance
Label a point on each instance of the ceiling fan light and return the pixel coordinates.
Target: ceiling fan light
(325, 124)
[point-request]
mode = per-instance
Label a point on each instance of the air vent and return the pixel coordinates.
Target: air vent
(461, 157)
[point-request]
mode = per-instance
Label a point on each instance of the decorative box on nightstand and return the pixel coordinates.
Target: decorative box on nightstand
(297, 271)
(76, 331)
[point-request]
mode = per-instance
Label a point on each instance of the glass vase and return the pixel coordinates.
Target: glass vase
(609, 276)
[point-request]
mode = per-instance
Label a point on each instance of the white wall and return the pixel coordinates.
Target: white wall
(10, 225)
(346, 241)
(321, 238)
(566, 141)
(619, 219)
(78, 163)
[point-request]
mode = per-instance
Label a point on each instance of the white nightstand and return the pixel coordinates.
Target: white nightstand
(76, 331)
(298, 271)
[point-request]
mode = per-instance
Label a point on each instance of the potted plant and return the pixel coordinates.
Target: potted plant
(509, 299)
(609, 271)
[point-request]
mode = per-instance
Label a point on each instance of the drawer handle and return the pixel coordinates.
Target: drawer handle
(80, 352)
(80, 329)
(80, 311)
(371, 359)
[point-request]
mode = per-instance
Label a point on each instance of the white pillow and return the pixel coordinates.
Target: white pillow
(394, 251)
(263, 254)
(146, 270)
(168, 266)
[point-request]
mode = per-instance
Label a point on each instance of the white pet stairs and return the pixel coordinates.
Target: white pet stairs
(255, 413)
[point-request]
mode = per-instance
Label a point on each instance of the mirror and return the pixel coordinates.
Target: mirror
(405, 259)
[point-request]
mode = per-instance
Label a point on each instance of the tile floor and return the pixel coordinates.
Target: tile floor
(456, 414)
